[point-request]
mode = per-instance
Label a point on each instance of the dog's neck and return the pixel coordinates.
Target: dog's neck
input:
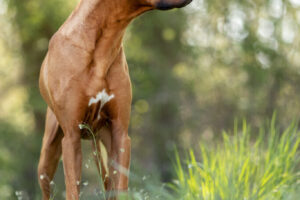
(95, 20)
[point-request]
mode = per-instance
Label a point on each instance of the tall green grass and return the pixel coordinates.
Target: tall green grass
(243, 168)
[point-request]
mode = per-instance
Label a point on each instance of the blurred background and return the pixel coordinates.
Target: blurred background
(193, 70)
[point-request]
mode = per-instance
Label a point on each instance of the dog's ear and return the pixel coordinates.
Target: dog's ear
(165, 4)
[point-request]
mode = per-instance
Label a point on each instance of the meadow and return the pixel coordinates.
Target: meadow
(241, 166)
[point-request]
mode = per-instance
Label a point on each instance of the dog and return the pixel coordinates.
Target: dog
(84, 80)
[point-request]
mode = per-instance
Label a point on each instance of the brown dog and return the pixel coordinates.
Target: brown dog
(84, 79)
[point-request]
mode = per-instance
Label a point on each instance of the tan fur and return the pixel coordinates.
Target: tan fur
(84, 57)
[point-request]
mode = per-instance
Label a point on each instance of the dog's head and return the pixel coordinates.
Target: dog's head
(165, 4)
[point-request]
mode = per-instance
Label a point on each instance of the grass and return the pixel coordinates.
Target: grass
(96, 153)
(241, 168)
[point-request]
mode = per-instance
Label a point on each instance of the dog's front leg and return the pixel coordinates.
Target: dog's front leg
(71, 151)
(119, 159)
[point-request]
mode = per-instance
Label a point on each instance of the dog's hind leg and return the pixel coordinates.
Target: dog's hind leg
(50, 153)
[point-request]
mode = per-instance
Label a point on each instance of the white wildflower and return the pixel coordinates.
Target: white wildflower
(86, 183)
(42, 176)
(81, 126)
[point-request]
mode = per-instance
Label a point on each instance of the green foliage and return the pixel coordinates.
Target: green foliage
(242, 168)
